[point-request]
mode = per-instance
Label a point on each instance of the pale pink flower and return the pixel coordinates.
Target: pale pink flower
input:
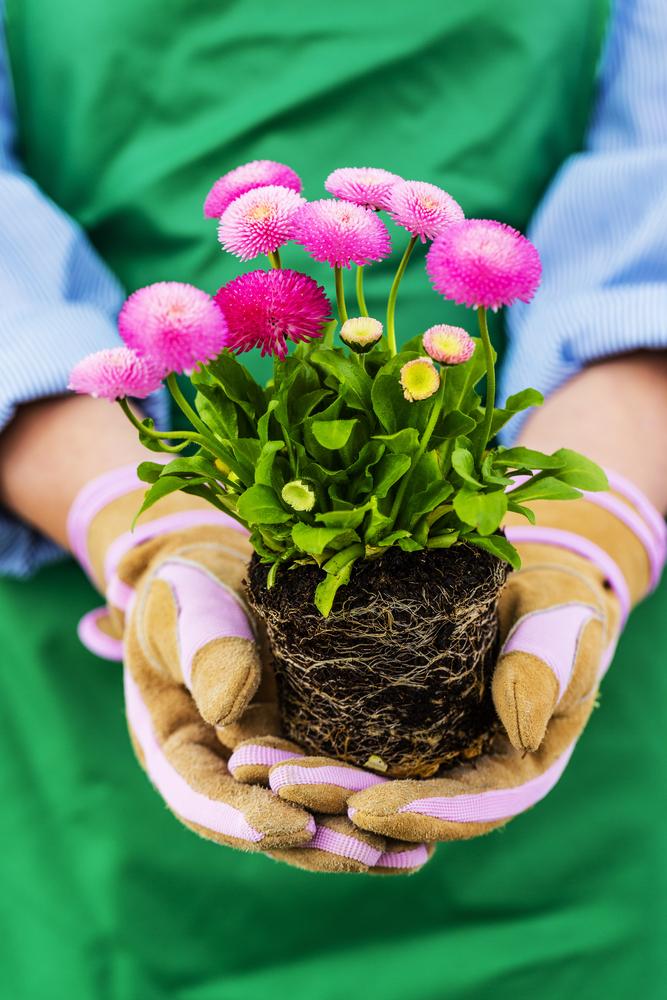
(176, 325)
(259, 221)
(265, 309)
(257, 173)
(341, 234)
(419, 379)
(450, 345)
(479, 262)
(423, 209)
(115, 373)
(369, 186)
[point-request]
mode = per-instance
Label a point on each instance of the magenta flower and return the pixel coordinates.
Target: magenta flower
(115, 373)
(176, 325)
(423, 209)
(257, 173)
(368, 186)
(479, 262)
(265, 309)
(340, 233)
(259, 221)
(450, 345)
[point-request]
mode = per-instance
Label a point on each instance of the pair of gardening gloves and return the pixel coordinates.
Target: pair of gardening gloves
(200, 697)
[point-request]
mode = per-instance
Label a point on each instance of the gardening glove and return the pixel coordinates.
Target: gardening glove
(585, 564)
(193, 662)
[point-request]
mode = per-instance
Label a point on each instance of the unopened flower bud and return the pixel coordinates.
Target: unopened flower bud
(361, 333)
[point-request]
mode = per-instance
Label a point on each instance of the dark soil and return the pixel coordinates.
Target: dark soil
(398, 676)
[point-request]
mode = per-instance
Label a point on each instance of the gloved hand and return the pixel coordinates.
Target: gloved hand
(584, 565)
(193, 662)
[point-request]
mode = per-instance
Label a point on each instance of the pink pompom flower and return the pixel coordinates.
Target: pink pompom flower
(423, 209)
(479, 262)
(368, 186)
(265, 309)
(259, 221)
(450, 345)
(176, 325)
(419, 379)
(257, 173)
(340, 234)
(115, 373)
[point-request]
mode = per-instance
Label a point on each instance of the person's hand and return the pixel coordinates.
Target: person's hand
(193, 665)
(584, 565)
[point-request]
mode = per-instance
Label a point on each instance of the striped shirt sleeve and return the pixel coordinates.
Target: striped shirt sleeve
(59, 303)
(602, 227)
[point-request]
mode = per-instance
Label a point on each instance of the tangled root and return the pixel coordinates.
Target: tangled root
(397, 678)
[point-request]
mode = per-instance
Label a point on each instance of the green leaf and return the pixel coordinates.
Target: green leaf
(548, 488)
(515, 404)
(392, 538)
(464, 463)
(149, 472)
(354, 383)
(338, 570)
(497, 545)
(391, 408)
(483, 511)
(426, 500)
(260, 505)
(388, 471)
(410, 545)
(454, 424)
(405, 441)
(518, 508)
(443, 541)
(332, 434)
(350, 518)
(524, 458)
(577, 470)
(162, 488)
(266, 461)
(315, 540)
(237, 384)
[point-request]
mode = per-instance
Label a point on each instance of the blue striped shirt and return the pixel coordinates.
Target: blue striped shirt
(601, 231)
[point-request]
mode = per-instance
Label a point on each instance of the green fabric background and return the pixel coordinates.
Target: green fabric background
(129, 111)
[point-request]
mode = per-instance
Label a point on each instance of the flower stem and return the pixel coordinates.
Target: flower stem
(185, 436)
(361, 298)
(436, 410)
(274, 259)
(340, 295)
(490, 383)
(184, 406)
(391, 303)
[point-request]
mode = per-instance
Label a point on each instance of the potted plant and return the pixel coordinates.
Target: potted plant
(367, 476)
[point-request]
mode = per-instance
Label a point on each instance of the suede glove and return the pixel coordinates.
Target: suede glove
(584, 565)
(193, 663)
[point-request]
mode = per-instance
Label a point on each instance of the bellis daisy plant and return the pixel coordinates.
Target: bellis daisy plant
(354, 446)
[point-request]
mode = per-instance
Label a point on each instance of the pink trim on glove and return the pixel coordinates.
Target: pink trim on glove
(90, 500)
(97, 641)
(207, 610)
(568, 540)
(415, 857)
(256, 755)
(488, 807)
(552, 635)
(187, 803)
(655, 552)
(345, 846)
(354, 779)
(634, 495)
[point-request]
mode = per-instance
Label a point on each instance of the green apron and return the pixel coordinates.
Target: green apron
(128, 112)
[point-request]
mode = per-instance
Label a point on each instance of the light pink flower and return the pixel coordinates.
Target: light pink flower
(419, 379)
(369, 186)
(259, 221)
(265, 309)
(257, 173)
(423, 209)
(114, 373)
(450, 345)
(479, 262)
(176, 325)
(340, 234)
